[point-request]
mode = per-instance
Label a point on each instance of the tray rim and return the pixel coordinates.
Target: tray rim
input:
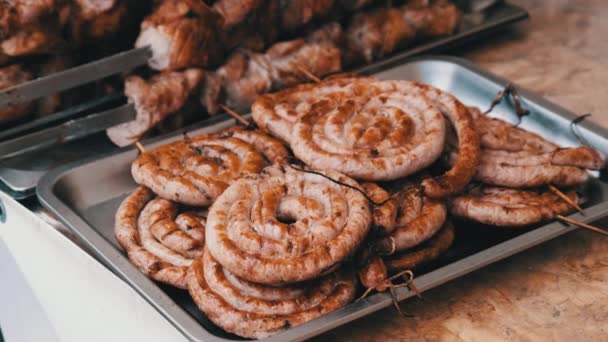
(105, 251)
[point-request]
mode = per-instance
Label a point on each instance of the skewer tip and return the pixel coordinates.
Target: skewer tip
(140, 147)
(581, 224)
(235, 115)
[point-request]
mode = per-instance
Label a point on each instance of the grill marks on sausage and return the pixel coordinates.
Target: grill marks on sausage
(197, 170)
(247, 237)
(257, 311)
(158, 239)
(505, 207)
(514, 157)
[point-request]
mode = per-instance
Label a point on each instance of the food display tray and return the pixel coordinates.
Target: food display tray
(19, 175)
(85, 196)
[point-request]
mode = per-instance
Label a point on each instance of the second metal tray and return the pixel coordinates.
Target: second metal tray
(85, 197)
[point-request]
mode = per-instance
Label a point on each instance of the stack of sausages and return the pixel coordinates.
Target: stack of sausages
(265, 240)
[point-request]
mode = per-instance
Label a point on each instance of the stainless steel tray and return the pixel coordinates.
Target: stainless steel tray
(18, 176)
(85, 196)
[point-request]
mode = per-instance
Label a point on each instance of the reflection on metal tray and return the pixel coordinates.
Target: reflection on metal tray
(85, 197)
(21, 174)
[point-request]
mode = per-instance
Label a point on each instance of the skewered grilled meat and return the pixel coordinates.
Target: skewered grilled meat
(297, 13)
(154, 100)
(432, 18)
(235, 11)
(18, 14)
(92, 8)
(247, 75)
(32, 40)
(265, 21)
(92, 23)
(179, 39)
(372, 35)
(11, 76)
(165, 12)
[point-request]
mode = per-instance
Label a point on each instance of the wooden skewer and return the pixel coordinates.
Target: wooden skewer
(235, 115)
(309, 74)
(140, 147)
(582, 225)
(566, 198)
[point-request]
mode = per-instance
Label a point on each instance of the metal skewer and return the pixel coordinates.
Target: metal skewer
(74, 77)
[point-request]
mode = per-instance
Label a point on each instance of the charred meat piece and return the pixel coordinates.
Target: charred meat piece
(432, 18)
(330, 33)
(9, 77)
(235, 11)
(180, 38)
(155, 99)
(18, 14)
(165, 12)
(99, 25)
(247, 75)
(372, 35)
(33, 40)
(90, 9)
(297, 13)
(187, 42)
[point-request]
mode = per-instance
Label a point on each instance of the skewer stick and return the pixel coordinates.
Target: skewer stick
(235, 116)
(566, 198)
(308, 74)
(140, 147)
(581, 224)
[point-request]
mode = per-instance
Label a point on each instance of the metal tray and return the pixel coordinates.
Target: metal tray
(19, 175)
(86, 195)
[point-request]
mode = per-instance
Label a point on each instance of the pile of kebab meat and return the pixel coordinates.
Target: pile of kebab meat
(346, 186)
(226, 53)
(41, 37)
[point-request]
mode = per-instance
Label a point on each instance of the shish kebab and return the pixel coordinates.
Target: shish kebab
(419, 16)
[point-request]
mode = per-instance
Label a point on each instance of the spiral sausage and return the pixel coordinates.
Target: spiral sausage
(372, 130)
(161, 243)
(509, 207)
(278, 112)
(272, 149)
(196, 171)
(419, 218)
(514, 157)
(258, 311)
(431, 250)
(380, 134)
(285, 225)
